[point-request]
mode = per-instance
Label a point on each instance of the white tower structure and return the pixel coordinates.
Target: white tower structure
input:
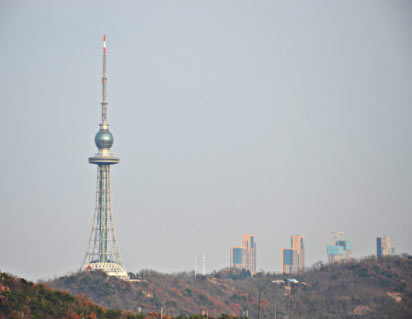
(103, 253)
(204, 264)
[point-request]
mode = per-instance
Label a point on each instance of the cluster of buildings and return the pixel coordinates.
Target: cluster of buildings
(244, 257)
(341, 250)
(292, 260)
(383, 247)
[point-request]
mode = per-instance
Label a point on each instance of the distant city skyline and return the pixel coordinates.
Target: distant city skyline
(266, 117)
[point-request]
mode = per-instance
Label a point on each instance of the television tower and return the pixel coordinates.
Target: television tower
(103, 253)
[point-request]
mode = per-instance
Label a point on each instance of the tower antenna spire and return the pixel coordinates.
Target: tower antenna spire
(104, 86)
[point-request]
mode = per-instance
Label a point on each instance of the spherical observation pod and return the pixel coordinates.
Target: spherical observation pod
(104, 139)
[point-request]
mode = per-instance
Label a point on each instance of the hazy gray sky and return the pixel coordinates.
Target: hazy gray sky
(229, 117)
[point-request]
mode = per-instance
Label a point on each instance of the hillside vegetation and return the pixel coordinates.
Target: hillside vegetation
(21, 299)
(356, 289)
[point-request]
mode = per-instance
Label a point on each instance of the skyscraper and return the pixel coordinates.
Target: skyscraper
(293, 260)
(289, 261)
(296, 242)
(236, 258)
(383, 246)
(244, 257)
(249, 243)
(103, 253)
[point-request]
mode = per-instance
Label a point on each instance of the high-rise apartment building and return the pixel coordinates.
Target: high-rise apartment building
(296, 242)
(236, 258)
(292, 260)
(347, 247)
(383, 246)
(289, 261)
(249, 243)
(342, 250)
(244, 257)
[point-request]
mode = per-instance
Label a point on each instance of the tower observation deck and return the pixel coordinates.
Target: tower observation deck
(103, 253)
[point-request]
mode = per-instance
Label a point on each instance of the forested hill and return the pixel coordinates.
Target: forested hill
(356, 289)
(21, 299)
